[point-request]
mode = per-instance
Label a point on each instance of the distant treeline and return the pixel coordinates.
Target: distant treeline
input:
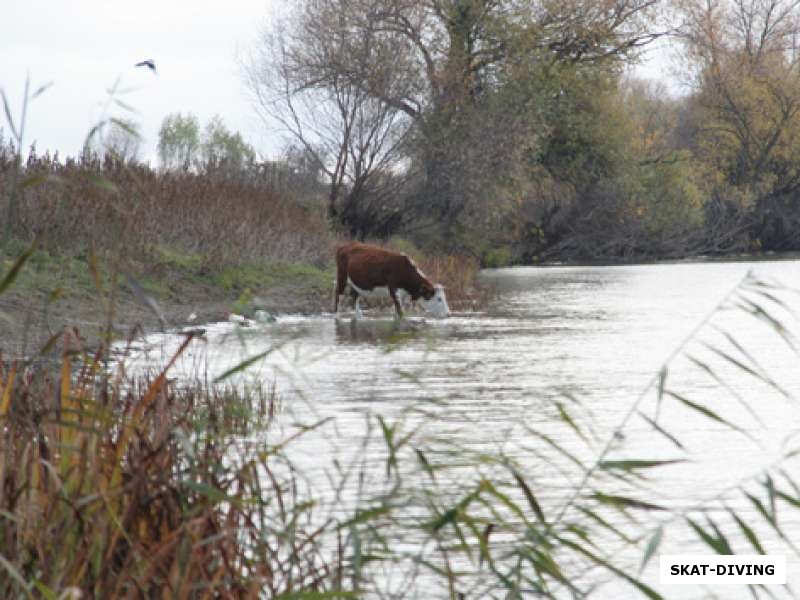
(505, 131)
(508, 130)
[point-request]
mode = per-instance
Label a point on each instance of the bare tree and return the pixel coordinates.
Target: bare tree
(414, 53)
(355, 138)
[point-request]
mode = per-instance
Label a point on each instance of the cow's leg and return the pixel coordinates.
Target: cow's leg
(341, 282)
(397, 307)
(359, 314)
(336, 295)
(406, 300)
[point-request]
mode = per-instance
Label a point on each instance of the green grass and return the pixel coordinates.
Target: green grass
(173, 258)
(237, 277)
(72, 275)
(265, 275)
(497, 257)
(168, 274)
(46, 272)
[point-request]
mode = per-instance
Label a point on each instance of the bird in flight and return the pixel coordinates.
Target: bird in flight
(149, 63)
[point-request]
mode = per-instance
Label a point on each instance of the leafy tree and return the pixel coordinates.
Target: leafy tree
(179, 141)
(577, 200)
(439, 69)
(666, 183)
(745, 112)
(609, 178)
(182, 146)
(221, 147)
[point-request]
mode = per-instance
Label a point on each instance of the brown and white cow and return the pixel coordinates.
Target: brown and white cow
(370, 271)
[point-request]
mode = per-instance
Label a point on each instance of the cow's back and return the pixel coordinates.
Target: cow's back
(368, 266)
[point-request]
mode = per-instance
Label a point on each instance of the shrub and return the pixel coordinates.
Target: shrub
(497, 257)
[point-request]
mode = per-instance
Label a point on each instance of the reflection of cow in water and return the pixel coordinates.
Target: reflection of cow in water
(370, 271)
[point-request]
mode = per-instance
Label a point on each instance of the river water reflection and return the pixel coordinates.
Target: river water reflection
(554, 336)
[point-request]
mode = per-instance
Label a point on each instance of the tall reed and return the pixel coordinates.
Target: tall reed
(113, 487)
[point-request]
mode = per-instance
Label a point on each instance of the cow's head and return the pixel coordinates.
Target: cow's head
(435, 302)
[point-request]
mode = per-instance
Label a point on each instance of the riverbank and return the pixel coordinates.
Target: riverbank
(173, 291)
(693, 258)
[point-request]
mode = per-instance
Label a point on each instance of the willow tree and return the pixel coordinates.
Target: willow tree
(746, 111)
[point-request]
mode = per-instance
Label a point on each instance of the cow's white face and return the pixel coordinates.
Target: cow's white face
(437, 305)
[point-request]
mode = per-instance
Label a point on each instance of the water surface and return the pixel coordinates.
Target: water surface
(588, 338)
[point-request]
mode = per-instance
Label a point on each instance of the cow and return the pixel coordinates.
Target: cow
(370, 271)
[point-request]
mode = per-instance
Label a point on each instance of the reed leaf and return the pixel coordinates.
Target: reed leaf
(15, 269)
(662, 431)
(637, 464)
(642, 587)
(564, 415)
(6, 388)
(625, 502)
(242, 366)
(652, 547)
(707, 412)
(747, 531)
(532, 502)
(9, 117)
(605, 524)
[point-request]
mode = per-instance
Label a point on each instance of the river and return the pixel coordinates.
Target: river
(557, 347)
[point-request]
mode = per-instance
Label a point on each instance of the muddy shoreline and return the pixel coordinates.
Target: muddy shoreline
(29, 321)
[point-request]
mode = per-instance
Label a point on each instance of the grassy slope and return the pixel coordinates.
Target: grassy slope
(53, 291)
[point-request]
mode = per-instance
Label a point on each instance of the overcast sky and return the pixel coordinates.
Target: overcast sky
(84, 46)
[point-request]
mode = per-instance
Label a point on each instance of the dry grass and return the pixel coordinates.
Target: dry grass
(458, 274)
(225, 217)
(115, 488)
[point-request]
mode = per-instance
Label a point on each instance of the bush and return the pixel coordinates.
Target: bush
(497, 258)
